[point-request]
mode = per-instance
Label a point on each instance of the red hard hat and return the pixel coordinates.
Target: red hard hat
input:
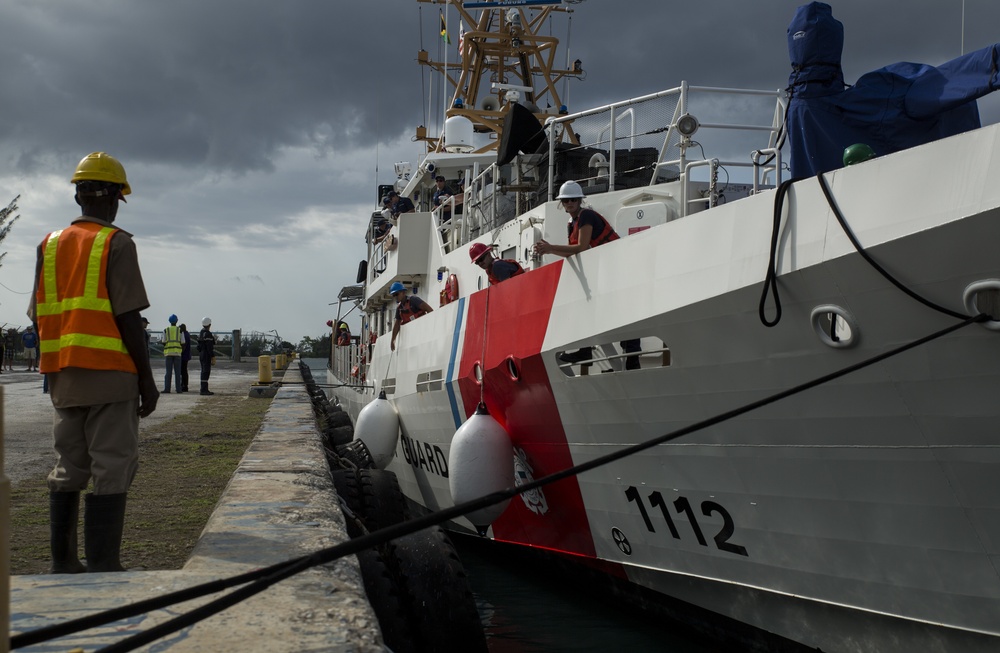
(477, 251)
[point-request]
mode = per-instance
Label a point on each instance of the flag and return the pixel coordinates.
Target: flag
(461, 37)
(444, 30)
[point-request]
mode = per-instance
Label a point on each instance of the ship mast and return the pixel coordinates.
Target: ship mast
(504, 59)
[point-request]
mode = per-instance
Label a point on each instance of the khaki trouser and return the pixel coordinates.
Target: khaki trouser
(99, 442)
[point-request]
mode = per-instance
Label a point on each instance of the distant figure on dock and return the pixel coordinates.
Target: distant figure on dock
(172, 349)
(9, 348)
(29, 340)
(407, 309)
(206, 353)
(185, 356)
(95, 359)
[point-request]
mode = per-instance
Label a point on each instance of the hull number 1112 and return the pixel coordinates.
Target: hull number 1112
(683, 507)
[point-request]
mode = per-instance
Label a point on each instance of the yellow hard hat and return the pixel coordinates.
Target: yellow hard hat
(100, 166)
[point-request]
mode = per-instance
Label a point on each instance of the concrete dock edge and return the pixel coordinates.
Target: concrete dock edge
(280, 504)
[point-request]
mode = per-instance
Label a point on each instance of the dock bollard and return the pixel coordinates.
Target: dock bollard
(263, 369)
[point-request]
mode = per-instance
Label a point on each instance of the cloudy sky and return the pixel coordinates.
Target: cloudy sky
(254, 133)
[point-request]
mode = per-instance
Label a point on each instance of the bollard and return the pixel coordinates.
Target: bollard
(4, 541)
(263, 369)
(282, 361)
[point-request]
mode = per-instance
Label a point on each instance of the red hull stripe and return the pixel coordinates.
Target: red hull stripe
(515, 315)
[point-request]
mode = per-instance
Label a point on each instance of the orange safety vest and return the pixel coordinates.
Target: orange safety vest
(606, 236)
(76, 325)
(494, 280)
(408, 312)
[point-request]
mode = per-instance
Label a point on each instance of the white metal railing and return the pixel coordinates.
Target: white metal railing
(679, 97)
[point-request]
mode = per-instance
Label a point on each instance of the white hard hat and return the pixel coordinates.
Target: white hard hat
(206, 322)
(569, 190)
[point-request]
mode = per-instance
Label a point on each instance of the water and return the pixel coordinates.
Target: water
(525, 608)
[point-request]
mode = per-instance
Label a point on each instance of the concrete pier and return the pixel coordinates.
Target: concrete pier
(280, 504)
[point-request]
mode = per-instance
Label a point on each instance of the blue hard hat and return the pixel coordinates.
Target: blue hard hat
(396, 287)
(172, 319)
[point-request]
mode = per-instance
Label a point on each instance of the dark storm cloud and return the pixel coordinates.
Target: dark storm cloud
(220, 84)
(224, 84)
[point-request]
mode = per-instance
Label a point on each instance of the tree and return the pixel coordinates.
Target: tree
(6, 222)
(315, 347)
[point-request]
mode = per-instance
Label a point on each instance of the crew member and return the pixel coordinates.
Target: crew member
(497, 270)
(397, 204)
(94, 357)
(408, 309)
(173, 347)
(586, 228)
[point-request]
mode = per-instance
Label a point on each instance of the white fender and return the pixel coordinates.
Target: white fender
(378, 427)
(480, 462)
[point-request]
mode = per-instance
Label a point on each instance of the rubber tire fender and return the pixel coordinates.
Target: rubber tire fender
(337, 418)
(384, 597)
(349, 490)
(442, 611)
(341, 435)
(382, 500)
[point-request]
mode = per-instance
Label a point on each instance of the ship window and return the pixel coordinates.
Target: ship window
(389, 386)
(512, 368)
(430, 381)
(629, 355)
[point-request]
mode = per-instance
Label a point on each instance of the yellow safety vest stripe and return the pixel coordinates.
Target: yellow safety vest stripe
(90, 301)
(83, 340)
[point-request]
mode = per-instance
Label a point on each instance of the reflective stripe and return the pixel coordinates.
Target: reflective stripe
(172, 341)
(89, 300)
(83, 340)
(78, 331)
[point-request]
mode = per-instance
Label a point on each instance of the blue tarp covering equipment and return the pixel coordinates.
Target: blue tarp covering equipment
(891, 109)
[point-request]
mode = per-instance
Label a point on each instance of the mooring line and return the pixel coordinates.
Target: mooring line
(259, 580)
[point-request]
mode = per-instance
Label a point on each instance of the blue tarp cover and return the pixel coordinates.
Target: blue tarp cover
(890, 109)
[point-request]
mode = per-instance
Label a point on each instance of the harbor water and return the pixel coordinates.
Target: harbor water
(525, 607)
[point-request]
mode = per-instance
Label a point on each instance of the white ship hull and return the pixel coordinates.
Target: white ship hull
(862, 515)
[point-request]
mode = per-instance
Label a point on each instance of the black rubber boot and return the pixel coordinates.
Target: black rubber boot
(204, 388)
(64, 512)
(103, 523)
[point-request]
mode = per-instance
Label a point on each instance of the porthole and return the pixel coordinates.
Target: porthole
(984, 297)
(512, 368)
(835, 326)
(477, 372)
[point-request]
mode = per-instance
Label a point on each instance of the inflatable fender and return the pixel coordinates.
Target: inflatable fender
(480, 462)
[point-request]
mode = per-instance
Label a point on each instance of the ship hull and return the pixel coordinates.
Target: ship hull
(860, 515)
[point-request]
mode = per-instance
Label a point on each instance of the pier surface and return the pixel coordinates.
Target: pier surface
(280, 504)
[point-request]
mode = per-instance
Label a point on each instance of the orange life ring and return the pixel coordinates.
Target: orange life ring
(450, 291)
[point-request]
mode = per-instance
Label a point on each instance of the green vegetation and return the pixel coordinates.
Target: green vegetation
(315, 347)
(184, 466)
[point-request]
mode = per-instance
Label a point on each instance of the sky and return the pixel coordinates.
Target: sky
(254, 133)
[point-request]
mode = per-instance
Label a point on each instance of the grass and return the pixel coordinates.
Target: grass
(184, 466)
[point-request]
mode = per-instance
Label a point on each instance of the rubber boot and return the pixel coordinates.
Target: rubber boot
(204, 388)
(64, 512)
(103, 523)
